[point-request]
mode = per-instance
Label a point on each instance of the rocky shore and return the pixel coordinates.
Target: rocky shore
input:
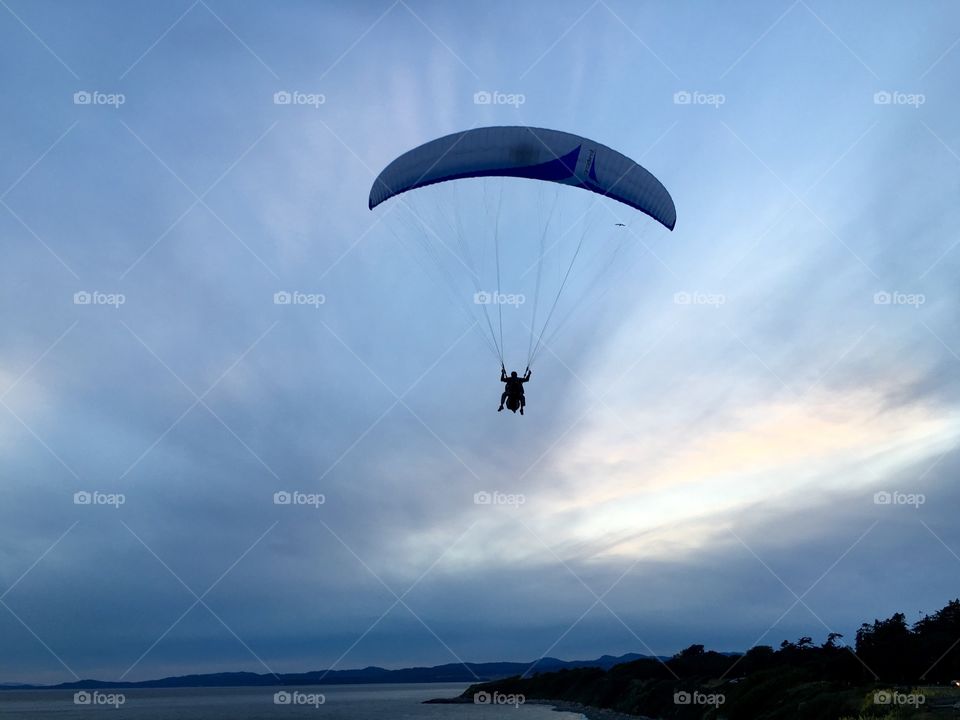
(588, 711)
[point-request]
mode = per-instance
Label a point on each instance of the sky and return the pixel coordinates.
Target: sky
(746, 431)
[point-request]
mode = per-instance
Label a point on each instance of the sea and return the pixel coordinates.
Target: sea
(324, 702)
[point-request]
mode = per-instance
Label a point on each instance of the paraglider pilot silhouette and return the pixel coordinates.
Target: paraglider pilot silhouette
(513, 390)
(506, 155)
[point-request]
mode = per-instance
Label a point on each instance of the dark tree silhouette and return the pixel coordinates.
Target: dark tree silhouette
(800, 680)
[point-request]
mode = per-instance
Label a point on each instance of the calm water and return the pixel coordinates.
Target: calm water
(340, 702)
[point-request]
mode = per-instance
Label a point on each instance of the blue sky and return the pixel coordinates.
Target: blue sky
(689, 472)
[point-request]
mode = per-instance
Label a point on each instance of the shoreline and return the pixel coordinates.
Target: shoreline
(588, 711)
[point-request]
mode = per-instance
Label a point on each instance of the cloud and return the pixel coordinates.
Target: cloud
(670, 447)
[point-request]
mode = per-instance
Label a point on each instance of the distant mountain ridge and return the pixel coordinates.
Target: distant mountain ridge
(451, 672)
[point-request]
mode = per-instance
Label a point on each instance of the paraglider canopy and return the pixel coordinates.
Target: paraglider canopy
(527, 152)
(465, 214)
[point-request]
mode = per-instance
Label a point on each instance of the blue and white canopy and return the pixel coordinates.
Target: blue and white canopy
(527, 152)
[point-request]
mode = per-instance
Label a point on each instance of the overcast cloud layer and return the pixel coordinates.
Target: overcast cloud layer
(690, 472)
